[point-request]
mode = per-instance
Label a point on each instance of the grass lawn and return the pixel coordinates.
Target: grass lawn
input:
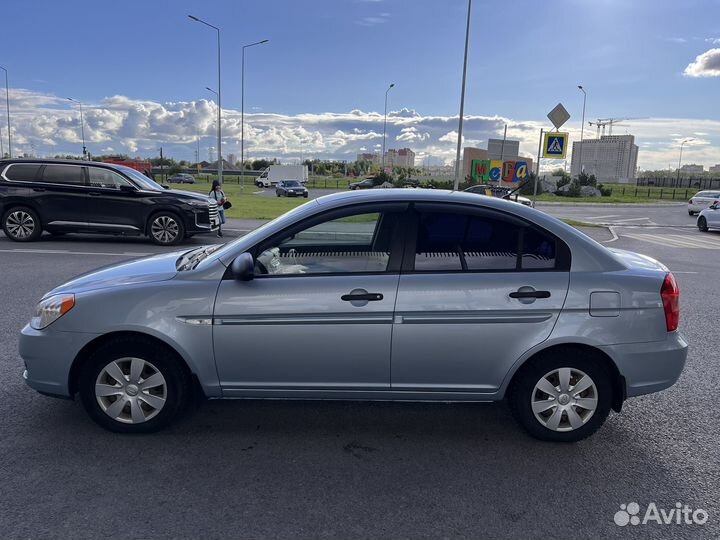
(545, 197)
(246, 205)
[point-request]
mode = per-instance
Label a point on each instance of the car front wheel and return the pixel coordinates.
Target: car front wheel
(702, 224)
(21, 224)
(563, 396)
(166, 229)
(131, 385)
(691, 213)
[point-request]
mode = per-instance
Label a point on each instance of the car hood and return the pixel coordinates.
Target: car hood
(187, 195)
(638, 260)
(146, 270)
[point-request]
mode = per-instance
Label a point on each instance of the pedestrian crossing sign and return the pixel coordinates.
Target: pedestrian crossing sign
(555, 145)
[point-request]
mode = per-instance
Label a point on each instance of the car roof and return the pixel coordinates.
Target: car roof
(36, 161)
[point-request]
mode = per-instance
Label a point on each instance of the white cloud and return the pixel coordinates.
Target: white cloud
(374, 20)
(676, 40)
(713, 41)
(706, 64)
(140, 127)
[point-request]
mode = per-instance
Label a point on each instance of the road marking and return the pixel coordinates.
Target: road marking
(632, 219)
(705, 241)
(67, 252)
(674, 241)
(604, 217)
(614, 236)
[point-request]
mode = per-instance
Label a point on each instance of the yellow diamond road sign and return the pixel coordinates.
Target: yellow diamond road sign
(555, 145)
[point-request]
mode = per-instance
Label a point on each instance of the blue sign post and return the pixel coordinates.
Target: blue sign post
(554, 145)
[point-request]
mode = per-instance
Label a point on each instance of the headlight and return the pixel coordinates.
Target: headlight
(51, 309)
(204, 204)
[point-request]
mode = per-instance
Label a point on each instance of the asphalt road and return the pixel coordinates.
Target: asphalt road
(260, 469)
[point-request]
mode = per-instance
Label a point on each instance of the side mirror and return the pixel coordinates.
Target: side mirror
(165, 186)
(127, 189)
(243, 267)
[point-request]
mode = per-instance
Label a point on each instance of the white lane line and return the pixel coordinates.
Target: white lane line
(632, 219)
(614, 236)
(66, 252)
(705, 241)
(670, 242)
(604, 217)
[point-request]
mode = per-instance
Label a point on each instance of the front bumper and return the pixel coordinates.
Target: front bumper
(650, 367)
(48, 356)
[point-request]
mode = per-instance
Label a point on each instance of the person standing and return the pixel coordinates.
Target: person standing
(218, 194)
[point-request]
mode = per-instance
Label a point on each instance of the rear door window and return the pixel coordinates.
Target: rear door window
(63, 174)
(469, 242)
(22, 172)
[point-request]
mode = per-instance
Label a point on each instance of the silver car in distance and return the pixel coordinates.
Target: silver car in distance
(372, 295)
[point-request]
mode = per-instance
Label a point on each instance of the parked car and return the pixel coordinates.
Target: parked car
(701, 200)
(368, 183)
(391, 295)
(290, 188)
(709, 218)
(500, 192)
(182, 178)
(86, 197)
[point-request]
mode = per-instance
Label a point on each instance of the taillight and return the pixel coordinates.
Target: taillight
(670, 293)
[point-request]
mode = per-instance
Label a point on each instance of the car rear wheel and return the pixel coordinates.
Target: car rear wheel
(166, 229)
(702, 224)
(562, 396)
(132, 385)
(21, 224)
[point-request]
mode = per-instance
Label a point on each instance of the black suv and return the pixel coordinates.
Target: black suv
(81, 196)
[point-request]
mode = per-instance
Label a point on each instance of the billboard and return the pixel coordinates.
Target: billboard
(486, 170)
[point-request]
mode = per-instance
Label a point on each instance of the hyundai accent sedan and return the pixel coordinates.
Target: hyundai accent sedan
(377, 295)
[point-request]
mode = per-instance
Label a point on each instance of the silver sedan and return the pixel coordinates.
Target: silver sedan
(375, 295)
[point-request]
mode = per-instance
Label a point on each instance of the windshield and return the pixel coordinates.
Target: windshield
(291, 183)
(140, 178)
(260, 232)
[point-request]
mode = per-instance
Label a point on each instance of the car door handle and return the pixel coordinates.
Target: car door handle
(368, 297)
(94, 193)
(530, 294)
(39, 189)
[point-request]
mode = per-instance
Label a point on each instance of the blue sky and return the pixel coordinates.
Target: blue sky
(337, 56)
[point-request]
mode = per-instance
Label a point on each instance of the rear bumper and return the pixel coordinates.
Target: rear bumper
(48, 357)
(650, 367)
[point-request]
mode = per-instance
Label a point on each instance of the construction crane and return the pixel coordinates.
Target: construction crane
(610, 122)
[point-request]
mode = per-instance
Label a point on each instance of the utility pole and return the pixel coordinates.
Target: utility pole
(162, 165)
(7, 104)
(462, 100)
(582, 130)
(385, 126)
(219, 111)
(537, 167)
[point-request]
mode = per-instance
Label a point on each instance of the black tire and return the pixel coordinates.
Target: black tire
(522, 390)
(702, 224)
(691, 213)
(178, 385)
(21, 224)
(165, 229)
(277, 193)
(306, 195)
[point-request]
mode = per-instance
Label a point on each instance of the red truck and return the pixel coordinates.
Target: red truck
(144, 167)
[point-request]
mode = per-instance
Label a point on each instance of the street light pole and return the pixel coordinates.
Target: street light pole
(219, 111)
(385, 125)
(82, 126)
(242, 109)
(582, 126)
(456, 185)
(7, 104)
(680, 160)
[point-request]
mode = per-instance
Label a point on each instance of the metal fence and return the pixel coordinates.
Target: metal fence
(697, 183)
